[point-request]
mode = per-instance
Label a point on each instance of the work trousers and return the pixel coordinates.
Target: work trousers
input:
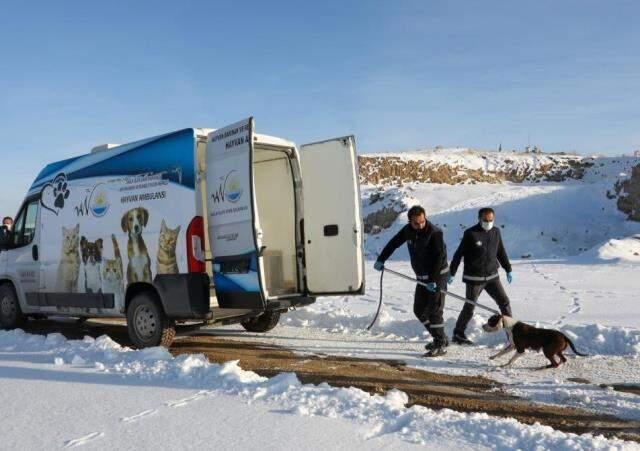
(494, 289)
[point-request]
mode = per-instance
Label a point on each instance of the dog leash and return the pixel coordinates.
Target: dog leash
(453, 295)
(448, 293)
(379, 302)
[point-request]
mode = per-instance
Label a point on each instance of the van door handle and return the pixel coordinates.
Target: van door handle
(34, 252)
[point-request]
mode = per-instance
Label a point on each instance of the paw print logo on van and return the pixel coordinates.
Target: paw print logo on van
(54, 194)
(61, 193)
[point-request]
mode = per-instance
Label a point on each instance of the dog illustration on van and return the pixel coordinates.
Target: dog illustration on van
(139, 267)
(239, 226)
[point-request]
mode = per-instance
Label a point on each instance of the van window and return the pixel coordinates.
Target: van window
(25, 225)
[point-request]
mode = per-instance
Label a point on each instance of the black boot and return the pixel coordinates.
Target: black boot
(461, 339)
(439, 349)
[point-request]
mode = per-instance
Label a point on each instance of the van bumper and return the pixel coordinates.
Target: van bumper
(184, 296)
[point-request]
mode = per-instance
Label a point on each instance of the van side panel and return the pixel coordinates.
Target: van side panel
(114, 218)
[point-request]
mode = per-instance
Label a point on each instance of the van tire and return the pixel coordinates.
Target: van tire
(263, 323)
(147, 324)
(11, 316)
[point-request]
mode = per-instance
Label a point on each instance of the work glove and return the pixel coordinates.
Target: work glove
(450, 279)
(509, 277)
(431, 286)
(378, 265)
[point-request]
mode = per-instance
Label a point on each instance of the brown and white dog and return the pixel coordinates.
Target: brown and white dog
(523, 336)
(139, 266)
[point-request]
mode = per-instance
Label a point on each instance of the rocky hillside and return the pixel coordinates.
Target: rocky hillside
(549, 204)
(628, 192)
(453, 166)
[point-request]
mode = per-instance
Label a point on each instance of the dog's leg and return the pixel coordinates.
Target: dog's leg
(562, 357)
(508, 348)
(552, 359)
(515, 357)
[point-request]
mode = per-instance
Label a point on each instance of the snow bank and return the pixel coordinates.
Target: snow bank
(384, 414)
(625, 249)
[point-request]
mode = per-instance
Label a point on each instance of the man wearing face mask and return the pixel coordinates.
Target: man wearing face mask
(429, 261)
(482, 250)
(5, 231)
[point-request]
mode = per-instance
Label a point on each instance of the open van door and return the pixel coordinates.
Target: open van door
(333, 239)
(232, 217)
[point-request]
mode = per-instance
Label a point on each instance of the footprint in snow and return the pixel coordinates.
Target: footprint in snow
(83, 440)
(183, 402)
(138, 416)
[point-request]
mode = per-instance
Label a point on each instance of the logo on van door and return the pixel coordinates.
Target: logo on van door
(230, 188)
(99, 201)
(54, 194)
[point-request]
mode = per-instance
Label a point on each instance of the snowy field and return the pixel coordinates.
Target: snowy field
(581, 277)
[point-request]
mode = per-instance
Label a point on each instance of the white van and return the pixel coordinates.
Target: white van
(217, 226)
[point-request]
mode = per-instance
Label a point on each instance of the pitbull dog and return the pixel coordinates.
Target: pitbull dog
(523, 336)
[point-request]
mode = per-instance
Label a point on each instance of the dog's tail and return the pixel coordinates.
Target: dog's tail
(573, 348)
(116, 250)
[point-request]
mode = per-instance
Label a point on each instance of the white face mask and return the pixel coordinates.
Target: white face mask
(487, 225)
(8, 226)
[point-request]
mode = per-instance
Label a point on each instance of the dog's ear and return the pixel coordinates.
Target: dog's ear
(123, 223)
(99, 243)
(163, 226)
(145, 216)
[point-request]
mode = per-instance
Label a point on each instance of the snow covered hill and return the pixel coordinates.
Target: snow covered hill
(547, 206)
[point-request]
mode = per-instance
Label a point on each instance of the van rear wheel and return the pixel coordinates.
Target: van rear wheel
(147, 324)
(11, 315)
(263, 323)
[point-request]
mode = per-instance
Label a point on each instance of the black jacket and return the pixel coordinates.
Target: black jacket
(481, 250)
(5, 237)
(426, 248)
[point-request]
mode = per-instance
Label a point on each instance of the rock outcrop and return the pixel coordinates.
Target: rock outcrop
(469, 167)
(629, 195)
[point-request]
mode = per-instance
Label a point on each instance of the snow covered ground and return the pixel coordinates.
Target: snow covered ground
(580, 275)
(96, 395)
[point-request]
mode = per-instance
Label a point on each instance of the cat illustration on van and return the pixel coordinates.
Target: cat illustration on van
(112, 275)
(167, 263)
(69, 267)
(91, 261)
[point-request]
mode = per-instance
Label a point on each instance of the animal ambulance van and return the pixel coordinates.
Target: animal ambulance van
(199, 225)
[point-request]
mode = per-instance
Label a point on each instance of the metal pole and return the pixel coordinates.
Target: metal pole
(453, 295)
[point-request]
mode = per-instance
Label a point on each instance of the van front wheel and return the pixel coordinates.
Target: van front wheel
(263, 323)
(11, 315)
(147, 324)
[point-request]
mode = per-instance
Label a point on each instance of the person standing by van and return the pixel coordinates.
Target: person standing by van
(428, 254)
(5, 231)
(482, 249)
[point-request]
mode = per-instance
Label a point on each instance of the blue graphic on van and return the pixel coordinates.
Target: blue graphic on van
(172, 153)
(99, 201)
(232, 187)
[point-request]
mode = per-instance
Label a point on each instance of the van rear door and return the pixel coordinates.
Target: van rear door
(333, 240)
(232, 217)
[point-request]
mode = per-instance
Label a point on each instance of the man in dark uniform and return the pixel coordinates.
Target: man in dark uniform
(482, 250)
(429, 261)
(5, 231)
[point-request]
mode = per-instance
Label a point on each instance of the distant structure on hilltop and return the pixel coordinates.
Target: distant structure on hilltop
(534, 149)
